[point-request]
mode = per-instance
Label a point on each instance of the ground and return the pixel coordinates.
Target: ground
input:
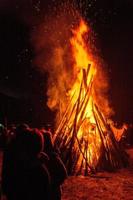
(104, 186)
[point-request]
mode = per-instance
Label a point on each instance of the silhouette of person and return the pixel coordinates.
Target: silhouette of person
(24, 175)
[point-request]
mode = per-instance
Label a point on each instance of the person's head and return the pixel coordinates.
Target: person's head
(37, 141)
(30, 142)
(21, 128)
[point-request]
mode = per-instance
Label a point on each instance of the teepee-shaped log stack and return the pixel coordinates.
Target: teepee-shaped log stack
(87, 145)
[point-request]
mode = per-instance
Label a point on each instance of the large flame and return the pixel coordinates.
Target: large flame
(83, 129)
(85, 136)
(77, 89)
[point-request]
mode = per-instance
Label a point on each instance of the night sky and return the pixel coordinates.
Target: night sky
(23, 87)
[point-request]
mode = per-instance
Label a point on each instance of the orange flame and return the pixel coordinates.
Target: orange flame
(83, 119)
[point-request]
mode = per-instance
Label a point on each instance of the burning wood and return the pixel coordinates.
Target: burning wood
(86, 141)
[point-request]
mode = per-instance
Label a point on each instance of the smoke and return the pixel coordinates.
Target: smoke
(53, 54)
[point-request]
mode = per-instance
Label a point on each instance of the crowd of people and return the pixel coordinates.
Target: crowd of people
(32, 168)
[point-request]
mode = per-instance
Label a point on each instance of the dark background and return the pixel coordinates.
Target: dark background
(23, 87)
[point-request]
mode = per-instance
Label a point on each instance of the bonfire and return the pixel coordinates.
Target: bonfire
(84, 136)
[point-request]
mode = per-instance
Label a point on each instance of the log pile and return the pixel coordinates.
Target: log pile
(87, 147)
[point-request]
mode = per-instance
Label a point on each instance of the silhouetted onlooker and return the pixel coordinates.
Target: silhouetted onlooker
(24, 176)
(55, 166)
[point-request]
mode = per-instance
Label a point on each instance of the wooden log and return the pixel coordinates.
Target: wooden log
(119, 155)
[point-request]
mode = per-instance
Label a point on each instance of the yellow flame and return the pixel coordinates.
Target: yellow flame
(79, 47)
